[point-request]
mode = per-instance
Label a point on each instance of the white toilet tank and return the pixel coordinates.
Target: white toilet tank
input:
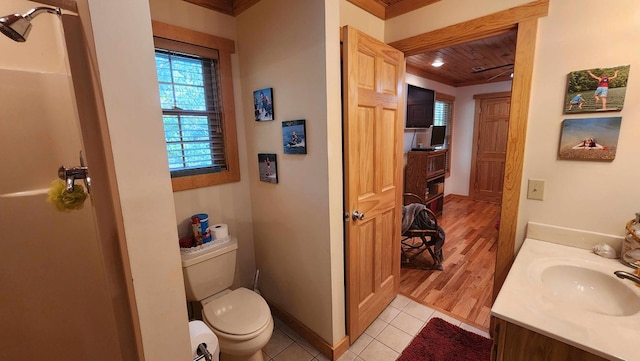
(209, 270)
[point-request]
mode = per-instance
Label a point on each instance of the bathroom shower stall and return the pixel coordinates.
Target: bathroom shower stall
(62, 279)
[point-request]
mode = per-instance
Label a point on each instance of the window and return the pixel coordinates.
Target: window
(443, 115)
(196, 97)
(191, 113)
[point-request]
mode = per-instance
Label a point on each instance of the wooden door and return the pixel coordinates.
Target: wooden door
(489, 147)
(373, 81)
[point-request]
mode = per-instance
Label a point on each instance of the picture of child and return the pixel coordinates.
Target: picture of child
(577, 100)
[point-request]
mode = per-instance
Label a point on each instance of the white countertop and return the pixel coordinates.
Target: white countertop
(524, 301)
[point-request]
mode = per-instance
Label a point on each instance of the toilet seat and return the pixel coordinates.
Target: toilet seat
(241, 313)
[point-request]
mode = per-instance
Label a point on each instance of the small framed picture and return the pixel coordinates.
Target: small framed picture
(589, 139)
(263, 104)
(596, 90)
(294, 138)
(268, 167)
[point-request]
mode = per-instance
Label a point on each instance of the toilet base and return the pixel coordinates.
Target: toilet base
(255, 357)
(245, 350)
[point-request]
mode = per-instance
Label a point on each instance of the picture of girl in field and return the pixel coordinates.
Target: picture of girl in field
(596, 90)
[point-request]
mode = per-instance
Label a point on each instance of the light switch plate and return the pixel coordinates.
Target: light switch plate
(536, 189)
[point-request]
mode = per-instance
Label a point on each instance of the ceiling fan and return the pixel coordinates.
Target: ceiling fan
(480, 69)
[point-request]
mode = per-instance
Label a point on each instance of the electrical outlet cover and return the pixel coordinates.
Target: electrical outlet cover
(536, 189)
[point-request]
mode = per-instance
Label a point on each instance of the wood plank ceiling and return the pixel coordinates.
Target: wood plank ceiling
(229, 7)
(477, 62)
(384, 9)
(387, 9)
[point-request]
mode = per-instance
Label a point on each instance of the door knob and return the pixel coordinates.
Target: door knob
(357, 216)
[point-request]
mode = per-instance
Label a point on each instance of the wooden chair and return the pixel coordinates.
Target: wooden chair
(428, 238)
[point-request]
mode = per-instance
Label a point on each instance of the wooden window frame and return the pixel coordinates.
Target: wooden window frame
(442, 97)
(225, 48)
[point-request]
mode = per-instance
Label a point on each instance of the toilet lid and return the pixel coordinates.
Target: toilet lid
(239, 312)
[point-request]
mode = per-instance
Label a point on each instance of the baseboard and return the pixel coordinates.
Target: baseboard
(332, 352)
(458, 196)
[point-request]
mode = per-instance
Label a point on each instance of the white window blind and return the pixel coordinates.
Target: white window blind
(190, 97)
(443, 114)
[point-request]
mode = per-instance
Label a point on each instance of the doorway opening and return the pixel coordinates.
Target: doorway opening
(508, 213)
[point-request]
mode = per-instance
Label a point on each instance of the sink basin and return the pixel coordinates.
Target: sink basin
(570, 294)
(589, 290)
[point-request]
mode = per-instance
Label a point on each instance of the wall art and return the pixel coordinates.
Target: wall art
(596, 90)
(263, 104)
(294, 137)
(589, 139)
(268, 167)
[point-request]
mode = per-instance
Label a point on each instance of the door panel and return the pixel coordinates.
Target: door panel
(366, 252)
(365, 140)
(373, 118)
(387, 148)
(490, 146)
(388, 249)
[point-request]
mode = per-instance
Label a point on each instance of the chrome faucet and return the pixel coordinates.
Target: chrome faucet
(627, 275)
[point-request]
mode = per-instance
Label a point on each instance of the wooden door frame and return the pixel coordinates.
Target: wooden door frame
(524, 18)
(476, 134)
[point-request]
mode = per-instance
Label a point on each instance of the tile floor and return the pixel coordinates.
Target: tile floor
(384, 340)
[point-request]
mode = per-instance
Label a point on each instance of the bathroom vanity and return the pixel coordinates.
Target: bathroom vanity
(561, 301)
(513, 342)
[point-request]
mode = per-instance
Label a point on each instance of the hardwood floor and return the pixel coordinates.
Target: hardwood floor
(463, 290)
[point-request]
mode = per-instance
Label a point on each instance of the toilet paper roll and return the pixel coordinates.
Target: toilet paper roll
(200, 333)
(219, 231)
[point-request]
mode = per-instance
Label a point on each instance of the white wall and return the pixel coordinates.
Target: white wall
(283, 45)
(335, 176)
(441, 14)
(194, 17)
(594, 196)
(125, 59)
(361, 20)
(228, 203)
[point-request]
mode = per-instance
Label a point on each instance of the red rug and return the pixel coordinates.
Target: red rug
(442, 341)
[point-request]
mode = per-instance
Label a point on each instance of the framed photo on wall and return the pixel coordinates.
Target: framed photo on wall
(268, 167)
(263, 104)
(596, 90)
(294, 137)
(589, 139)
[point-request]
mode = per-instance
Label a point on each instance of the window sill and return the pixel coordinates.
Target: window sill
(204, 180)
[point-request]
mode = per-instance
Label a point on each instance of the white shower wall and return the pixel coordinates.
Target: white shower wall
(55, 299)
(38, 128)
(44, 52)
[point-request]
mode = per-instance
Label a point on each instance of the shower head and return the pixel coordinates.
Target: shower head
(17, 26)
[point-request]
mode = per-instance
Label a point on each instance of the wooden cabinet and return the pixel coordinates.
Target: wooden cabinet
(513, 342)
(424, 176)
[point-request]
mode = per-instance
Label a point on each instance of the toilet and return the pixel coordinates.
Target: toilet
(240, 318)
